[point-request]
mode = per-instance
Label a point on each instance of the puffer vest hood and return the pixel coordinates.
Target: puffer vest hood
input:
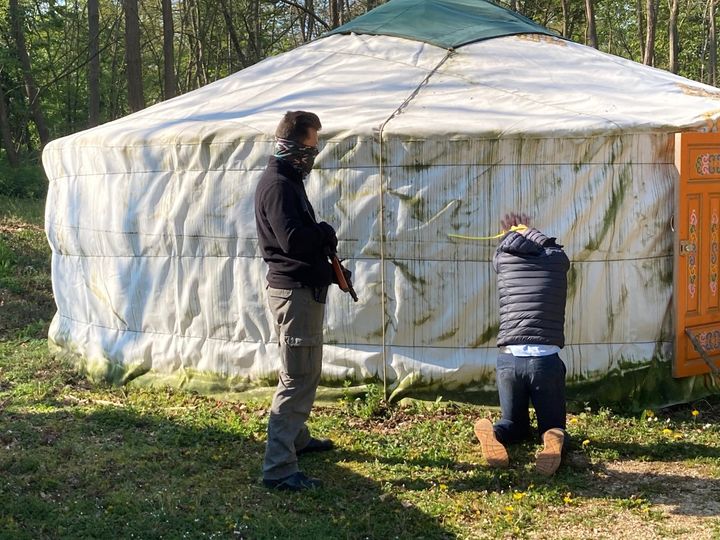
(532, 287)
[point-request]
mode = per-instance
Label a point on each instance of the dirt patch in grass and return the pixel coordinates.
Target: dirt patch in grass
(676, 487)
(643, 500)
(602, 520)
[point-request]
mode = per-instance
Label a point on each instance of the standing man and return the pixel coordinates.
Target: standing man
(294, 246)
(532, 285)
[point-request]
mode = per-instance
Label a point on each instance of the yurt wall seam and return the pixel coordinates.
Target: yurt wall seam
(383, 299)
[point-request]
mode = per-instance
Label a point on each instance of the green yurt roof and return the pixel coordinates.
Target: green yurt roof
(445, 23)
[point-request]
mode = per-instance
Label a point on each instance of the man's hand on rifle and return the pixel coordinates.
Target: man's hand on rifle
(347, 273)
(341, 276)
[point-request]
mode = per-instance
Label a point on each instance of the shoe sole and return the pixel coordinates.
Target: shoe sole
(493, 451)
(548, 459)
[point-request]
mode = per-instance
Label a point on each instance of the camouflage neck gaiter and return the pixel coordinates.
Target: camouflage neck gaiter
(298, 155)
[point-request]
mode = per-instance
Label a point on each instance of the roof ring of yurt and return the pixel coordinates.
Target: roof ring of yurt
(439, 117)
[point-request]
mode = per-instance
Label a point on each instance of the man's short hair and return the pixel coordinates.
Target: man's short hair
(294, 125)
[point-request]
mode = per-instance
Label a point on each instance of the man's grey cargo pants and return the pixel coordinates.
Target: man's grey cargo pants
(298, 316)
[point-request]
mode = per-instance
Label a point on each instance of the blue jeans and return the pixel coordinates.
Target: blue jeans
(522, 379)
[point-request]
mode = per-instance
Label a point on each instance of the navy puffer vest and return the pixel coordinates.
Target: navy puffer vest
(532, 286)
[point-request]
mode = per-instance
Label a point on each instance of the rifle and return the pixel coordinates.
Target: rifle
(344, 283)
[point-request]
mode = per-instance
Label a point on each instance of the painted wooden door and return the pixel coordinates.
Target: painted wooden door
(697, 237)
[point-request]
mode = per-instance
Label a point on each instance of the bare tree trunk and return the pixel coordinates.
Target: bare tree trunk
(310, 25)
(253, 25)
(169, 82)
(115, 84)
(198, 50)
(234, 38)
(640, 27)
(31, 90)
(673, 43)
(77, 114)
(712, 45)
(6, 133)
(335, 13)
(591, 35)
(649, 57)
(184, 42)
(136, 99)
(565, 16)
(257, 30)
(94, 63)
(303, 24)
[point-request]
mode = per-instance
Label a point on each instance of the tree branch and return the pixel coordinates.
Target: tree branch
(306, 10)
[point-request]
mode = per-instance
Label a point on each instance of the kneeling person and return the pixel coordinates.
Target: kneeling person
(532, 285)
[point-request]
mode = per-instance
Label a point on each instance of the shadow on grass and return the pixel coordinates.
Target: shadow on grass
(118, 472)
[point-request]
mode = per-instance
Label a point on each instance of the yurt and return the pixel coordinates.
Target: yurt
(440, 118)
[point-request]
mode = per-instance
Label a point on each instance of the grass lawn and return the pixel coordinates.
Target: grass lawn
(85, 461)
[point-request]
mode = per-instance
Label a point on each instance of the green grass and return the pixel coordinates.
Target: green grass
(26, 302)
(28, 211)
(81, 461)
(85, 461)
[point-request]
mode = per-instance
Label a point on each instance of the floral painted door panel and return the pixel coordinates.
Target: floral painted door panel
(697, 222)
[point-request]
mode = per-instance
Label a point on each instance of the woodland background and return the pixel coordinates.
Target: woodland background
(66, 65)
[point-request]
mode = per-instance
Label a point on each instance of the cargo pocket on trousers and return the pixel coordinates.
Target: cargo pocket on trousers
(301, 354)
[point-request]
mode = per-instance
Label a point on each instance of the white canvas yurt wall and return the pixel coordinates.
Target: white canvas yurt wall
(156, 268)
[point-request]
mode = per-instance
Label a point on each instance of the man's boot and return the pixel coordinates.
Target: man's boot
(548, 459)
(492, 449)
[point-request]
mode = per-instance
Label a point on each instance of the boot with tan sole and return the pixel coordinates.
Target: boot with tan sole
(492, 449)
(548, 459)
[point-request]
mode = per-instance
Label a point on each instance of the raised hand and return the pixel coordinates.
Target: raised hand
(513, 219)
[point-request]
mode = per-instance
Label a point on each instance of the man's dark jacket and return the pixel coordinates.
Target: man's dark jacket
(291, 242)
(532, 287)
